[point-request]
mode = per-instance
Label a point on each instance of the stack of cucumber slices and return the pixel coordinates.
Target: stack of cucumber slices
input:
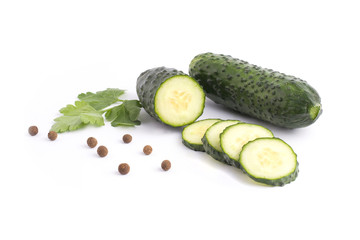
(249, 147)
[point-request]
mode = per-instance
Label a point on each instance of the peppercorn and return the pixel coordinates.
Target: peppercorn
(52, 135)
(102, 151)
(147, 149)
(166, 165)
(124, 168)
(91, 142)
(33, 130)
(127, 138)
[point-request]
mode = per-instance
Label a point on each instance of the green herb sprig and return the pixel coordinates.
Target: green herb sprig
(91, 107)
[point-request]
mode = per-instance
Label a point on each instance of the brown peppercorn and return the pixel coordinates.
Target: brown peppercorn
(124, 168)
(102, 151)
(166, 165)
(91, 142)
(127, 138)
(52, 135)
(33, 130)
(147, 149)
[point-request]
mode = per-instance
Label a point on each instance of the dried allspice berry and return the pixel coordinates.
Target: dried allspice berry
(102, 151)
(127, 138)
(166, 165)
(91, 142)
(124, 168)
(147, 150)
(52, 135)
(33, 130)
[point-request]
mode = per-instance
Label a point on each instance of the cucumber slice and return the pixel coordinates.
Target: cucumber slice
(234, 137)
(170, 96)
(211, 140)
(270, 161)
(179, 101)
(193, 133)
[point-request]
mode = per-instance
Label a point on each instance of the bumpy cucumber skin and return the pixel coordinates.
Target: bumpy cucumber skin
(196, 147)
(280, 99)
(274, 182)
(220, 156)
(213, 152)
(281, 181)
(149, 82)
(277, 182)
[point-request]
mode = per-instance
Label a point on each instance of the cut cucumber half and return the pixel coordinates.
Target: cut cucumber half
(234, 137)
(170, 96)
(193, 133)
(211, 139)
(270, 161)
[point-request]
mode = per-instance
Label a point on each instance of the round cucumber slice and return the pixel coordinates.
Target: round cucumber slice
(211, 140)
(270, 161)
(234, 137)
(179, 101)
(193, 133)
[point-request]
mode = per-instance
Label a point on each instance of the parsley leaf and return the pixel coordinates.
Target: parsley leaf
(125, 114)
(67, 123)
(75, 117)
(102, 99)
(89, 110)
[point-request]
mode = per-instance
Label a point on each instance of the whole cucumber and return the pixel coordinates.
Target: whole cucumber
(268, 95)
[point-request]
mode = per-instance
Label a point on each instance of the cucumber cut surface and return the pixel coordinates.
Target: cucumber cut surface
(234, 137)
(193, 133)
(170, 96)
(270, 161)
(179, 101)
(211, 139)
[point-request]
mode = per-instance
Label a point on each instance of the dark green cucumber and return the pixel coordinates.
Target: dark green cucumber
(170, 96)
(270, 161)
(280, 99)
(211, 140)
(193, 133)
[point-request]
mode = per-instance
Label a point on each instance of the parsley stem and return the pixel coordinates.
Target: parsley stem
(107, 109)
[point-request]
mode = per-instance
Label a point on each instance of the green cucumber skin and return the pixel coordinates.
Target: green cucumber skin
(274, 97)
(196, 147)
(149, 82)
(277, 182)
(219, 156)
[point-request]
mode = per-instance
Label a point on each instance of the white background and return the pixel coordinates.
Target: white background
(50, 51)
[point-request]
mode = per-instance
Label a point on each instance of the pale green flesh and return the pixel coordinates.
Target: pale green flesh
(268, 158)
(179, 101)
(314, 111)
(213, 133)
(236, 136)
(195, 131)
